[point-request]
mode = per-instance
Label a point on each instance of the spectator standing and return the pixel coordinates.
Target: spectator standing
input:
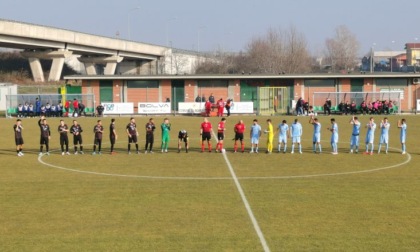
(207, 107)
(228, 106)
(75, 108)
(37, 107)
(220, 107)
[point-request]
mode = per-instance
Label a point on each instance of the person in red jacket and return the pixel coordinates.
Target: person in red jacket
(75, 107)
(67, 107)
(207, 106)
(220, 107)
(239, 135)
(205, 133)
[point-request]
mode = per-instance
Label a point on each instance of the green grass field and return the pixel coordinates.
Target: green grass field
(190, 202)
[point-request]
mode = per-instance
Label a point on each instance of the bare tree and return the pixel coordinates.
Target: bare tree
(342, 50)
(279, 51)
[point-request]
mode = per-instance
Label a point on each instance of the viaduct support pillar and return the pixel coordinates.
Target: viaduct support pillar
(109, 62)
(57, 57)
(36, 69)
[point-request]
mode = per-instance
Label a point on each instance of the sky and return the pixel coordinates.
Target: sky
(226, 24)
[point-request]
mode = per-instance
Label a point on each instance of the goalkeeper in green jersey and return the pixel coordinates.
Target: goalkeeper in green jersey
(166, 127)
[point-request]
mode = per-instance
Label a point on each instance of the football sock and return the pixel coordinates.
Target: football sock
(94, 148)
(137, 147)
(202, 146)
(129, 147)
(209, 144)
(235, 147)
(242, 146)
(293, 147)
(320, 148)
(386, 147)
(81, 148)
(151, 147)
(41, 148)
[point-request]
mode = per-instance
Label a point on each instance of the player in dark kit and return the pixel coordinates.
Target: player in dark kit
(220, 134)
(64, 138)
(183, 137)
(239, 135)
(150, 138)
(45, 135)
(98, 130)
(17, 128)
(77, 130)
(205, 133)
(132, 135)
(112, 135)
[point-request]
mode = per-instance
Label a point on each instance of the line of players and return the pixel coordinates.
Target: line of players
(284, 132)
(295, 132)
(98, 130)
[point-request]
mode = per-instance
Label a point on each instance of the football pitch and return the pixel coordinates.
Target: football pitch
(209, 201)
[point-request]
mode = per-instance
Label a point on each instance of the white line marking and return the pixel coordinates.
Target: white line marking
(128, 175)
(228, 178)
(246, 203)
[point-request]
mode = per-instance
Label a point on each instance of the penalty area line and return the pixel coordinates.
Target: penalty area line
(245, 201)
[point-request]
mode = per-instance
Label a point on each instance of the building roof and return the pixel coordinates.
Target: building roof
(243, 76)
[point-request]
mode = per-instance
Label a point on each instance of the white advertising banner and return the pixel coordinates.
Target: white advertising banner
(190, 107)
(242, 108)
(198, 107)
(154, 108)
(418, 105)
(118, 108)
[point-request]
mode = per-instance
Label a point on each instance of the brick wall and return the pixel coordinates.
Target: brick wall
(166, 90)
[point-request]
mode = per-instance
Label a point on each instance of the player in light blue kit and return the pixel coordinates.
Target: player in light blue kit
(334, 136)
(354, 140)
(296, 132)
(370, 135)
(384, 139)
(255, 134)
(283, 130)
(316, 139)
(403, 134)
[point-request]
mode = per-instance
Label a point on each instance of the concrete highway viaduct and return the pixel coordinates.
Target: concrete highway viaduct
(42, 42)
